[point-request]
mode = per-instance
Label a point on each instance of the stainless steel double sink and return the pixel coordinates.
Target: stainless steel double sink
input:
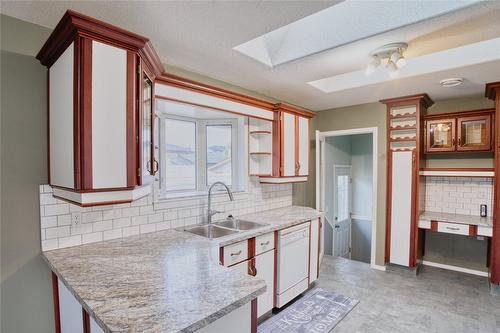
(223, 228)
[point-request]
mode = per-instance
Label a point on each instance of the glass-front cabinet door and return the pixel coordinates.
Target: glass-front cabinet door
(440, 135)
(474, 133)
(148, 165)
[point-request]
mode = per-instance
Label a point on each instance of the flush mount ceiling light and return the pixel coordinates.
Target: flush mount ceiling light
(451, 82)
(392, 52)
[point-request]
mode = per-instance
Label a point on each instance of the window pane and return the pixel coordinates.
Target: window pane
(342, 197)
(180, 173)
(219, 165)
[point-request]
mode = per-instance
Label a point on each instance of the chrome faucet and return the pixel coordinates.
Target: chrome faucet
(211, 212)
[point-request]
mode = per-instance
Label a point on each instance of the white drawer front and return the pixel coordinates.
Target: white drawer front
(453, 228)
(484, 231)
(264, 243)
(235, 253)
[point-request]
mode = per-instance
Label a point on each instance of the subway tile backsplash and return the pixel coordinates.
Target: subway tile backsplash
(143, 216)
(458, 195)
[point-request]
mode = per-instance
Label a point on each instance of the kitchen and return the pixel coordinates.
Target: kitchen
(169, 202)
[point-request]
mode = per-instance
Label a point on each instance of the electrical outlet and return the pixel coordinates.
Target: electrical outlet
(76, 218)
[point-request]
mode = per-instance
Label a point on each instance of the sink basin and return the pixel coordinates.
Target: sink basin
(239, 224)
(210, 231)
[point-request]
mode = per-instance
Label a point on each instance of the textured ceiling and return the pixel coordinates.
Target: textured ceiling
(199, 36)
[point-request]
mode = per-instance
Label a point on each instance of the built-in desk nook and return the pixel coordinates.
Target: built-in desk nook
(441, 185)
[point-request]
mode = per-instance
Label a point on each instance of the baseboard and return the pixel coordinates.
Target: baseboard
(378, 267)
(455, 268)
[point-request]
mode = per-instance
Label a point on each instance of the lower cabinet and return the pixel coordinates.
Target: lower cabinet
(258, 263)
(240, 318)
(70, 316)
(264, 265)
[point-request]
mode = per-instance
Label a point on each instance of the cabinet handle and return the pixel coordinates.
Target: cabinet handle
(155, 166)
(459, 141)
(236, 253)
(450, 228)
(453, 141)
(264, 243)
(252, 270)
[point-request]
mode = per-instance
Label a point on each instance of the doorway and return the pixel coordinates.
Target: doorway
(346, 192)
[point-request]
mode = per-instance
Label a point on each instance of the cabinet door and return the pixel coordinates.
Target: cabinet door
(314, 251)
(474, 133)
(303, 146)
(440, 135)
(264, 264)
(401, 207)
(70, 311)
(148, 165)
(288, 145)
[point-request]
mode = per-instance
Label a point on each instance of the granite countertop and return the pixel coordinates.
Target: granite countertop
(167, 281)
(457, 218)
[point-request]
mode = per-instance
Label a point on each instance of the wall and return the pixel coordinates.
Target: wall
(357, 116)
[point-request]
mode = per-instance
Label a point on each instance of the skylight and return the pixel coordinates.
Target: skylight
(341, 24)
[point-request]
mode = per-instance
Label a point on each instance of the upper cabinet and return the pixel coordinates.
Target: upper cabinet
(459, 132)
(290, 145)
(100, 111)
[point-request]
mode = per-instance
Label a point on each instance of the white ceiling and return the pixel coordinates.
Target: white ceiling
(200, 37)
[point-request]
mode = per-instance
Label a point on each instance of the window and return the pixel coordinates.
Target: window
(219, 146)
(180, 155)
(195, 153)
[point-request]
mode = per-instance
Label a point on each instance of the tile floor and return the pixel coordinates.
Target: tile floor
(435, 301)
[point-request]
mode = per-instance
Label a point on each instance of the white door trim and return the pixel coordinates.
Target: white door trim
(320, 188)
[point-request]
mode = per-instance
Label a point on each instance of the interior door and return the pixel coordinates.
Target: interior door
(342, 210)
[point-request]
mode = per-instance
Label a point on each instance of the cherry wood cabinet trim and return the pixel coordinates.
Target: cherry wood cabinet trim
(55, 297)
(253, 313)
(74, 24)
(493, 92)
(86, 321)
(465, 113)
(407, 100)
(133, 140)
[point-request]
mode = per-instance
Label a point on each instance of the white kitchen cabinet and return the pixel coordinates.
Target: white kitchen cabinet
(401, 204)
(94, 111)
(314, 250)
(70, 310)
(94, 328)
(303, 146)
(288, 152)
(239, 320)
(264, 264)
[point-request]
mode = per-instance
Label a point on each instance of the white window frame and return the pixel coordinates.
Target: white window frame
(201, 154)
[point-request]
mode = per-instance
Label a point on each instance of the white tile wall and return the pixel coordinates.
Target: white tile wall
(143, 216)
(458, 195)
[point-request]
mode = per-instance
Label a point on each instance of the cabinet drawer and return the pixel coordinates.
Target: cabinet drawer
(264, 243)
(235, 253)
(453, 228)
(484, 231)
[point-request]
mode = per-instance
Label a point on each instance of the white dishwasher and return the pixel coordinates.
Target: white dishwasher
(293, 263)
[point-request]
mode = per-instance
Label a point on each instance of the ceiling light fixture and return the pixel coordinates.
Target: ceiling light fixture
(451, 82)
(392, 52)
